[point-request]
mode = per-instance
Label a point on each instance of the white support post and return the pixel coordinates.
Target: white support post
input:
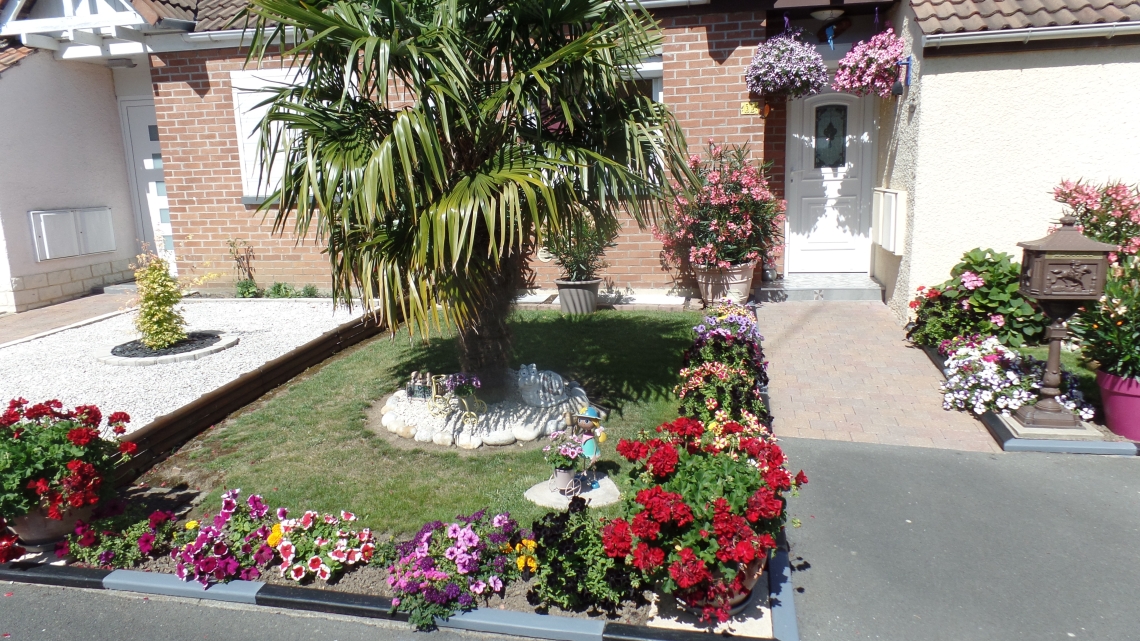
(10, 11)
(68, 8)
(39, 42)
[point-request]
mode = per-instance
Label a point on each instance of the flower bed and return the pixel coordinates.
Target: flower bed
(983, 376)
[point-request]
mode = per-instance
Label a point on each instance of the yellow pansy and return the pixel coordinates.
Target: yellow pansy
(274, 536)
(525, 561)
(191, 525)
(529, 544)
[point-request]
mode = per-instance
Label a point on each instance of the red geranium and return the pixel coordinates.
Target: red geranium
(663, 461)
(647, 557)
(645, 527)
(9, 548)
(778, 478)
(617, 540)
(633, 451)
(128, 447)
(81, 436)
(763, 505)
(688, 571)
(801, 478)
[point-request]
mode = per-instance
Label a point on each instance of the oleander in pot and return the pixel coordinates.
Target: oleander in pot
(578, 248)
(706, 509)
(54, 464)
(1110, 335)
(724, 222)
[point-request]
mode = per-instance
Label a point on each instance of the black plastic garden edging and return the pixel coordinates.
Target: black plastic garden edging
(506, 622)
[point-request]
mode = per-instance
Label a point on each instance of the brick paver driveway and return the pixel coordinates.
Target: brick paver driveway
(844, 371)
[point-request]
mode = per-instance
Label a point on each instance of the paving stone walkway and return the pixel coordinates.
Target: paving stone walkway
(844, 371)
(17, 326)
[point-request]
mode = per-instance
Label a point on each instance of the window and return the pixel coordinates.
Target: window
(830, 136)
(249, 90)
(649, 79)
(72, 232)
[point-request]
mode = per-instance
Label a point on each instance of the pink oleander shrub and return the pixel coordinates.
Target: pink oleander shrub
(870, 66)
(1109, 213)
(728, 217)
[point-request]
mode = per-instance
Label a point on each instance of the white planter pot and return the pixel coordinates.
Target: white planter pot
(733, 283)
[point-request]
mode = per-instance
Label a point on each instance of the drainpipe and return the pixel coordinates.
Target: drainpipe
(1034, 34)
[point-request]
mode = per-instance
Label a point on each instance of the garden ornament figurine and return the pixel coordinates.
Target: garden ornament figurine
(540, 388)
(588, 423)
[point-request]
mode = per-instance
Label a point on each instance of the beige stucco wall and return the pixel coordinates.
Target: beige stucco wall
(63, 149)
(980, 141)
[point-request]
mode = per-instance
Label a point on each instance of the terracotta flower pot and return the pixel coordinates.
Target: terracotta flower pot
(578, 296)
(733, 283)
(1121, 399)
(35, 529)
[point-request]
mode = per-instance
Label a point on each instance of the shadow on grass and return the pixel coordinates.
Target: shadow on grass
(618, 357)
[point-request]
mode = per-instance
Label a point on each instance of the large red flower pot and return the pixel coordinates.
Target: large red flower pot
(1121, 399)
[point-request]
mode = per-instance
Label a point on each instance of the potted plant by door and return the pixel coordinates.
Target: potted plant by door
(724, 223)
(578, 249)
(563, 453)
(55, 463)
(871, 66)
(785, 67)
(1110, 336)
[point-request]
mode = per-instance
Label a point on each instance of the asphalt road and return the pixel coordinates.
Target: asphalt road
(923, 544)
(46, 613)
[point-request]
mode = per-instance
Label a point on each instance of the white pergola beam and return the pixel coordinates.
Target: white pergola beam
(39, 42)
(127, 33)
(84, 38)
(10, 11)
(45, 25)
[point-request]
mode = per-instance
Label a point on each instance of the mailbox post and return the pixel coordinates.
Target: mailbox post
(1061, 271)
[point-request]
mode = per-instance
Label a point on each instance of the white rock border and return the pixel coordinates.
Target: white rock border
(126, 361)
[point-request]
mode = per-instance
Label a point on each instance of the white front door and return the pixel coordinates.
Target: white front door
(149, 181)
(830, 159)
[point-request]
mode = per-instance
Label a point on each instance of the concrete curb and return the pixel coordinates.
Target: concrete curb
(507, 622)
(193, 355)
(1010, 443)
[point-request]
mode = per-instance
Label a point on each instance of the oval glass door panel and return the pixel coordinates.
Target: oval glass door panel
(830, 136)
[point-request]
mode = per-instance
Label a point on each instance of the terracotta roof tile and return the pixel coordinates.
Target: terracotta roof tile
(154, 10)
(953, 16)
(215, 15)
(11, 53)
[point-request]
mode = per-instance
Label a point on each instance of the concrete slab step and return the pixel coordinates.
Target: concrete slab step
(820, 286)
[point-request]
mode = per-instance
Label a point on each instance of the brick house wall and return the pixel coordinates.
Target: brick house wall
(198, 134)
(705, 54)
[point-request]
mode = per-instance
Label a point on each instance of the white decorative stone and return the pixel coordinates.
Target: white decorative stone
(387, 408)
(392, 421)
(423, 434)
(468, 442)
(540, 388)
(442, 438)
(407, 431)
(502, 437)
(553, 425)
(527, 432)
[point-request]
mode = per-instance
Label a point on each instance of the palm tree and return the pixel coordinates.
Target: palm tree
(431, 144)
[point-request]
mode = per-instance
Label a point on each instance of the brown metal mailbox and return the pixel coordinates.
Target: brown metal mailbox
(1064, 266)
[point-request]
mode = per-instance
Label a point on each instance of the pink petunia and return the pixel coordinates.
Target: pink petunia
(297, 572)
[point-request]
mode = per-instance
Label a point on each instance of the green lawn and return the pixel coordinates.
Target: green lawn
(306, 445)
(1071, 362)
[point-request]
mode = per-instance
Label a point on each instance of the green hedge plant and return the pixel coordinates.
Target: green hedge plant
(981, 297)
(160, 324)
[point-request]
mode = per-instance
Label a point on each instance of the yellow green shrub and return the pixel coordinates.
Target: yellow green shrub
(159, 323)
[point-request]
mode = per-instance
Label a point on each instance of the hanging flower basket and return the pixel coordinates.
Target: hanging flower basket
(871, 66)
(786, 66)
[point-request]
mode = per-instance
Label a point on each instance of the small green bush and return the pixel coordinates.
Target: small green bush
(981, 297)
(579, 248)
(574, 572)
(310, 291)
(285, 290)
(248, 289)
(159, 323)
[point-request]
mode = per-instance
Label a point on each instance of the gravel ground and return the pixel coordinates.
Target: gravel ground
(64, 365)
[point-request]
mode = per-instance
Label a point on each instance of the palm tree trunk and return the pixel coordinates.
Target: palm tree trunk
(485, 342)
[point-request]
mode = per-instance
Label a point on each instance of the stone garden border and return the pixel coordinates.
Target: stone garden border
(110, 359)
(1009, 442)
(169, 431)
(507, 622)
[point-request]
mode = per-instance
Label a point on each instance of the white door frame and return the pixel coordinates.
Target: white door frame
(794, 156)
(142, 212)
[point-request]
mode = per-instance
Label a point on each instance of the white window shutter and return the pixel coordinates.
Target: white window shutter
(248, 92)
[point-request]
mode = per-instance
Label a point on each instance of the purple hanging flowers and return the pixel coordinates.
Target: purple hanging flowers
(786, 66)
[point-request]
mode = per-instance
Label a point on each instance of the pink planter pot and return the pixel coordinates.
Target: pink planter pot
(1121, 398)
